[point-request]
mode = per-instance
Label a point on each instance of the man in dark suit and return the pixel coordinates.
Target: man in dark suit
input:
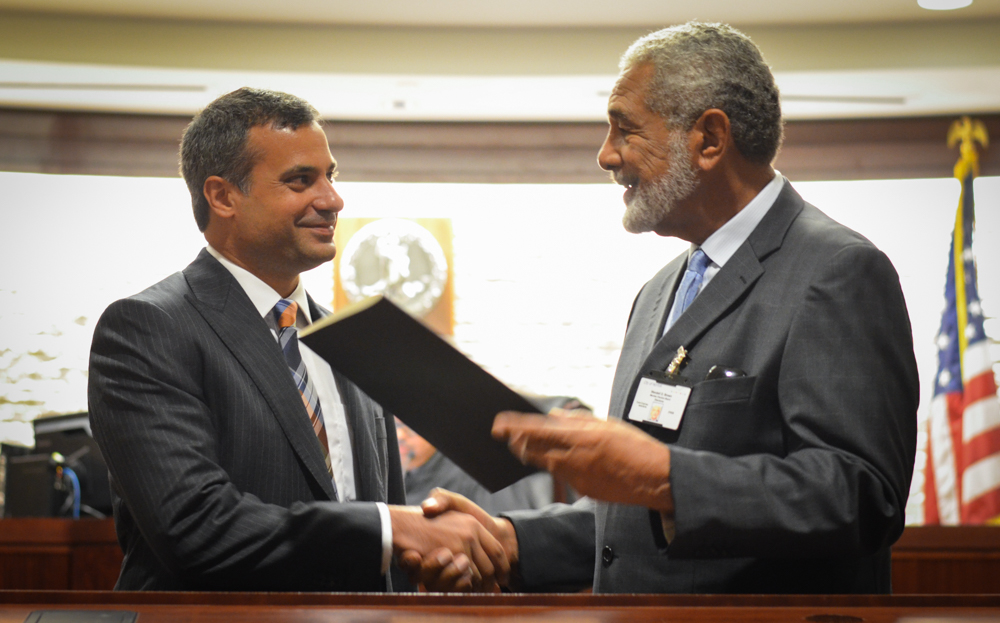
(762, 425)
(239, 460)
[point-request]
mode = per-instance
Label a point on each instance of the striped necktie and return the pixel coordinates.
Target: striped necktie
(283, 315)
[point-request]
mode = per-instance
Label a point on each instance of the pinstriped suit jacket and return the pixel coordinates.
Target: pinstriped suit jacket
(218, 481)
(791, 479)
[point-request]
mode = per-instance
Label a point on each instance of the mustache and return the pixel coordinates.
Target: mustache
(621, 179)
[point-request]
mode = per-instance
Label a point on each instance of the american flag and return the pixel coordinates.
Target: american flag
(962, 482)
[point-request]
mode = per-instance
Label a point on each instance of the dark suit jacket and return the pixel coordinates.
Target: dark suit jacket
(218, 480)
(791, 479)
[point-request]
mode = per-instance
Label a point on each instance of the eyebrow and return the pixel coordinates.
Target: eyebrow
(302, 168)
(617, 114)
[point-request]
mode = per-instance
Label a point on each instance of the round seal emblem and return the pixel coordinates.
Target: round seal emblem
(398, 259)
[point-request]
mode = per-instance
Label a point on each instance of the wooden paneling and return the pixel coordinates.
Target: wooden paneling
(314, 607)
(58, 554)
(947, 559)
(141, 145)
(877, 149)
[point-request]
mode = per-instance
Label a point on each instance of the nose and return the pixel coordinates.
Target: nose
(329, 200)
(608, 157)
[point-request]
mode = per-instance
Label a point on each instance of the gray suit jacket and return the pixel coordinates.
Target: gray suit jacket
(218, 481)
(791, 479)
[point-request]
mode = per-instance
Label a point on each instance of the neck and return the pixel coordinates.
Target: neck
(284, 285)
(720, 196)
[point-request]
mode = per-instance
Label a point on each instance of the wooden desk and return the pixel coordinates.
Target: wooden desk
(327, 607)
(58, 554)
(947, 559)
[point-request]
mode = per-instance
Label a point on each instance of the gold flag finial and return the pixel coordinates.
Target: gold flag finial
(967, 132)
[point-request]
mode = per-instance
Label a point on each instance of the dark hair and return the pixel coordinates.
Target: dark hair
(215, 142)
(699, 66)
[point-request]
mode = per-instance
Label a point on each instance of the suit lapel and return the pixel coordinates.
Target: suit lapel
(227, 309)
(727, 287)
(731, 283)
(644, 327)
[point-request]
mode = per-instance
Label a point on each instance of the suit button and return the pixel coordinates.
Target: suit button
(607, 555)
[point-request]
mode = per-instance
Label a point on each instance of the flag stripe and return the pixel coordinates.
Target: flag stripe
(980, 447)
(981, 477)
(977, 360)
(943, 456)
(981, 416)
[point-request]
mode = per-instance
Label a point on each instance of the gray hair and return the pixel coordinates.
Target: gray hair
(215, 142)
(699, 66)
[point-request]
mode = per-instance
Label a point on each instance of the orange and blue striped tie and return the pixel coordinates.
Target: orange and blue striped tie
(283, 316)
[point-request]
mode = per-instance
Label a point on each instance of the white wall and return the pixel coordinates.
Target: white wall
(544, 274)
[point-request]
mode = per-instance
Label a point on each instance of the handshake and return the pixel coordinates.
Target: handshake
(451, 544)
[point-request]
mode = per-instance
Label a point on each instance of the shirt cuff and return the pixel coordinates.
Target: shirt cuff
(383, 515)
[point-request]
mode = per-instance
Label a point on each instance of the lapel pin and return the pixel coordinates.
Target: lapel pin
(678, 359)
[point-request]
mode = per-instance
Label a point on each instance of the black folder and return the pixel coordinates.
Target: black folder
(433, 388)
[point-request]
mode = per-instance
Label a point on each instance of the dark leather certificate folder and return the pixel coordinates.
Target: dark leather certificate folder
(436, 390)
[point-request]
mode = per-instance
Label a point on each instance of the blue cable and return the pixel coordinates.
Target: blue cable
(75, 481)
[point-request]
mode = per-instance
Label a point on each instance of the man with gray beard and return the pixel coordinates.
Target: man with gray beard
(762, 426)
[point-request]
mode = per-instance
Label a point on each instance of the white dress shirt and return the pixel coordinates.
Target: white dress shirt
(338, 436)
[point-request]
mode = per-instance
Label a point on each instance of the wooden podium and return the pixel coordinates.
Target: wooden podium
(58, 554)
(15, 606)
(63, 554)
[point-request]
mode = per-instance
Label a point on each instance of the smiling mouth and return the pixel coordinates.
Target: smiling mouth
(618, 178)
(331, 225)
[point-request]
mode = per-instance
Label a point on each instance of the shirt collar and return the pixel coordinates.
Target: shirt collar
(724, 242)
(263, 296)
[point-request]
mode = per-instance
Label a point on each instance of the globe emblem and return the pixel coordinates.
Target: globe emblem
(398, 259)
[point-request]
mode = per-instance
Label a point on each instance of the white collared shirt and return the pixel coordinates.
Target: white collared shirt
(264, 298)
(723, 243)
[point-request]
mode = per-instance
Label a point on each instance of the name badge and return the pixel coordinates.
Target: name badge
(660, 401)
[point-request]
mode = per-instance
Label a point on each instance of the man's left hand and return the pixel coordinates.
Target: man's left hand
(605, 460)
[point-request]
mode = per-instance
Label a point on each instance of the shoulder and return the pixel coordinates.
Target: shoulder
(171, 307)
(203, 279)
(166, 295)
(815, 239)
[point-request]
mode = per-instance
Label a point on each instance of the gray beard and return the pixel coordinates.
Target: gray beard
(653, 201)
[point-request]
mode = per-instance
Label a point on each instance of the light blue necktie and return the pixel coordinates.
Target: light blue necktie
(690, 285)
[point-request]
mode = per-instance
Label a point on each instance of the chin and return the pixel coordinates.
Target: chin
(312, 258)
(640, 217)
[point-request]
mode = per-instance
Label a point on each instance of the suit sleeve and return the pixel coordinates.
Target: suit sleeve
(159, 436)
(556, 547)
(847, 395)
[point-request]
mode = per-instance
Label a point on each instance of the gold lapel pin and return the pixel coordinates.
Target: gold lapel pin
(678, 359)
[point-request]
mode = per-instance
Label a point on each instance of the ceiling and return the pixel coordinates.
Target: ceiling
(522, 13)
(878, 91)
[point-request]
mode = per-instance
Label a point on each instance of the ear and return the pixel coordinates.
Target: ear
(223, 197)
(713, 138)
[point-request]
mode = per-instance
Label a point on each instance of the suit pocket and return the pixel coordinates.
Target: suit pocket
(722, 390)
(720, 417)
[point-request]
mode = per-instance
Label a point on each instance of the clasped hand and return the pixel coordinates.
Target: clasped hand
(606, 460)
(467, 555)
